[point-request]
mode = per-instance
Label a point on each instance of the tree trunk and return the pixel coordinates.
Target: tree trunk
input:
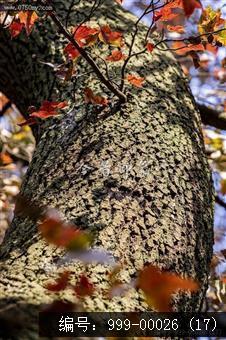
(155, 204)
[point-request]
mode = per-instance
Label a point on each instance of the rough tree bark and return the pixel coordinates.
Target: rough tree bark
(161, 214)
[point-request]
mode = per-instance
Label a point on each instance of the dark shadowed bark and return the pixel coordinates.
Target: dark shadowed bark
(159, 213)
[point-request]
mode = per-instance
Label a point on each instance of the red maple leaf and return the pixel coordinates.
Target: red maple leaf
(57, 232)
(110, 37)
(116, 55)
(71, 51)
(181, 48)
(84, 36)
(177, 28)
(150, 47)
(167, 12)
(26, 19)
(190, 5)
(15, 28)
(61, 283)
(48, 109)
(84, 287)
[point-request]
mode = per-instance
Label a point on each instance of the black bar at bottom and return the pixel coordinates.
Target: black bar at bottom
(139, 324)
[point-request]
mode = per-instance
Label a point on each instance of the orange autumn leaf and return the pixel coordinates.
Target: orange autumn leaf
(60, 284)
(168, 12)
(134, 80)
(28, 19)
(177, 28)
(48, 109)
(84, 287)
(110, 37)
(94, 99)
(181, 48)
(5, 158)
(159, 286)
(190, 5)
(116, 55)
(64, 235)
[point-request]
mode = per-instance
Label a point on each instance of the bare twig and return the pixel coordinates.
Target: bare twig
(131, 47)
(69, 12)
(130, 54)
(153, 9)
(88, 17)
(185, 40)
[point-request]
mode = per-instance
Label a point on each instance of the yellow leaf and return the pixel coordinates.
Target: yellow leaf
(221, 37)
(216, 143)
(210, 20)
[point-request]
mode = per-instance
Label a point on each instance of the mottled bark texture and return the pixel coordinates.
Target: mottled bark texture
(155, 205)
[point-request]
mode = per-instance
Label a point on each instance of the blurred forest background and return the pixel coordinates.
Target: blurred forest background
(207, 83)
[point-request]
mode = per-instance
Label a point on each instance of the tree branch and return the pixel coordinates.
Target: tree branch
(219, 201)
(89, 59)
(212, 117)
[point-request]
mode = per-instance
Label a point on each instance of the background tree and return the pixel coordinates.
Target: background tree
(134, 173)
